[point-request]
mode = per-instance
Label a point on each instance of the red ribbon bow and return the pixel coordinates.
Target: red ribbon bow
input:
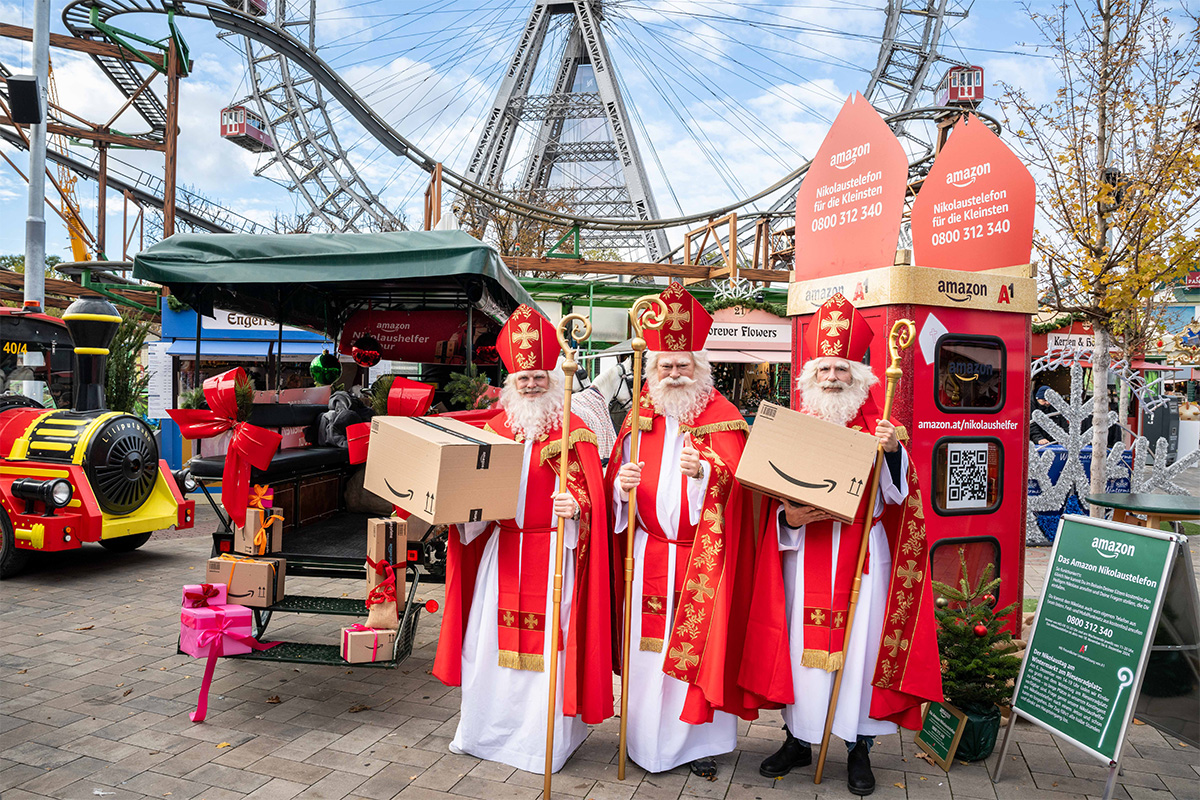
(382, 567)
(251, 445)
(384, 592)
(200, 599)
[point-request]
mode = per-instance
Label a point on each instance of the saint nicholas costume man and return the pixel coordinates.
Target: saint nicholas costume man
(693, 556)
(803, 578)
(495, 637)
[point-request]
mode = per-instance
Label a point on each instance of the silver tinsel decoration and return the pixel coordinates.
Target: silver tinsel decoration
(736, 289)
(1050, 498)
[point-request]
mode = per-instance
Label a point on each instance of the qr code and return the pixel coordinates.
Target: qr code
(966, 476)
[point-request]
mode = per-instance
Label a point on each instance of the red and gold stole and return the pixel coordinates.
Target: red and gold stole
(656, 558)
(828, 580)
(524, 551)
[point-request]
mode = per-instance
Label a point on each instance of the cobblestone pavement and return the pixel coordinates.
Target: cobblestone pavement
(94, 703)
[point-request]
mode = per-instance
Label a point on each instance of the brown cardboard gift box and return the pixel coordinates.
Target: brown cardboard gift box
(256, 582)
(387, 540)
(807, 460)
(362, 645)
(443, 470)
(243, 537)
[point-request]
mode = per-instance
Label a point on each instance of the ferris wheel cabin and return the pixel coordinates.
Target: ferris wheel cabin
(256, 7)
(962, 86)
(243, 127)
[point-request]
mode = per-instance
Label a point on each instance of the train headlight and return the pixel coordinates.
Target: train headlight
(60, 493)
(53, 493)
(185, 480)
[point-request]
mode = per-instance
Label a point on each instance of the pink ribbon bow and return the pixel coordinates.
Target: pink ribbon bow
(251, 445)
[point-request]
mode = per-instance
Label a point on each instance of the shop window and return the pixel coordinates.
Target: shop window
(970, 374)
(946, 558)
(966, 475)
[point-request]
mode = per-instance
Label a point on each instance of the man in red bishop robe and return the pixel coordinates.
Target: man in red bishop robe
(693, 551)
(495, 638)
(805, 569)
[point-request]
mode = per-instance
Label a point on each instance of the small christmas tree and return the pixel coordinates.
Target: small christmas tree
(977, 658)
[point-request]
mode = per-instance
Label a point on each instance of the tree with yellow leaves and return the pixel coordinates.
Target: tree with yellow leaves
(1117, 156)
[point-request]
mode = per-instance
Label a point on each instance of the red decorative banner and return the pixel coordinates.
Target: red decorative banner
(849, 205)
(975, 210)
(422, 337)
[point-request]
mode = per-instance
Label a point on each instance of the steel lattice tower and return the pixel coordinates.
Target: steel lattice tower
(582, 121)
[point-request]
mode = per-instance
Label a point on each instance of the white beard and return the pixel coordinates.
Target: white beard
(532, 415)
(681, 398)
(836, 407)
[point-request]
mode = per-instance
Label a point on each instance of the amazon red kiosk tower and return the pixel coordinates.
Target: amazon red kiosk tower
(967, 285)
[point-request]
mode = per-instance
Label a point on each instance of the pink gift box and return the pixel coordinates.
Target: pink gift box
(201, 628)
(204, 595)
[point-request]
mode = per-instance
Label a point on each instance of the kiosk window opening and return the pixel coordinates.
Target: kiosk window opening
(966, 475)
(970, 374)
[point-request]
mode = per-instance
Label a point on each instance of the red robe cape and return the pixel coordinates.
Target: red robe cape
(908, 669)
(705, 656)
(587, 651)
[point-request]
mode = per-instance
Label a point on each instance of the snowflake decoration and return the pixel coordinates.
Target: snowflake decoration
(735, 289)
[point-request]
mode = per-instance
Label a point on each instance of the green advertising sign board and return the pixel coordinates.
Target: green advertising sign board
(1095, 621)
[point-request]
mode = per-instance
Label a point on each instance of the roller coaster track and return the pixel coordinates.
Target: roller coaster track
(195, 210)
(912, 57)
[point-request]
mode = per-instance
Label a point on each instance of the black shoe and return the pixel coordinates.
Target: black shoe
(794, 753)
(704, 767)
(859, 778)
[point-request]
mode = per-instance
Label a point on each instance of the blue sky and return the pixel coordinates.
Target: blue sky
(725, 97)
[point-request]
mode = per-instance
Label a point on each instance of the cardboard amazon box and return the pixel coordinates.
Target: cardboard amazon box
(443, 470)
(387, 540)
(250, 581)
(807, 460)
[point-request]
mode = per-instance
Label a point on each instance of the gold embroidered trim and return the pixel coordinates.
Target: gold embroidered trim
(819, 659)
(645, 423)
(902, 433)
(651, 645)
(714, 427)
(553, 449)
(533, 662)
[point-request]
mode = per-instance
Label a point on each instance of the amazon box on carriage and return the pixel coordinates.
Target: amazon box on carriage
(443, 470)
(798, 457)
(255, 582)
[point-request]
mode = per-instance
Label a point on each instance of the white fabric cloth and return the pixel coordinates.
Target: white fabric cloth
(657, 739)
(591, 407)
(813, 687)
(503, 712)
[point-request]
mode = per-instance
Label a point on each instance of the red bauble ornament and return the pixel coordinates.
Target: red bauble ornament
(981, 629)
(365, 351)
(987, 598)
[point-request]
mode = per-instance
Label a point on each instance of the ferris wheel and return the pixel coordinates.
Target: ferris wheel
(898, 53)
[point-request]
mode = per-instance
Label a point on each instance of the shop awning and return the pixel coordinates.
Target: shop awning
(317, 280)
(307, 348)
(749, 356)
(216, 348)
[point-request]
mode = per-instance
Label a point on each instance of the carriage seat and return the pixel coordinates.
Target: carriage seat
(286, 464)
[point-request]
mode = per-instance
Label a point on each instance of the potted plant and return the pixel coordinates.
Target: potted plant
(978, 661)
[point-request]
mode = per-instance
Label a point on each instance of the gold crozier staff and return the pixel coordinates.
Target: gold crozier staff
(901, 336)
(578, 327)
(648, 312)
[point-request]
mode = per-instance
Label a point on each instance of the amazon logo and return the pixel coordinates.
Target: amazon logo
(962, 291)
(402, 495)
(828, 484)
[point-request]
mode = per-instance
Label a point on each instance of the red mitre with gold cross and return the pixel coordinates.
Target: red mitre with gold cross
(687, 324)
(838, 331)
(528, 341)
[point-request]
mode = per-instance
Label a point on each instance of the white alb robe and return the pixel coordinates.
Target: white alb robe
(658, 740)
(812, 687)
(503, 712)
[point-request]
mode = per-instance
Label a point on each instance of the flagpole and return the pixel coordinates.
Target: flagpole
(900, 337)
(578, 327)
(648, 312)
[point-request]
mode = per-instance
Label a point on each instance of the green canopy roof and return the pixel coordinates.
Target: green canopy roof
(317, 280)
